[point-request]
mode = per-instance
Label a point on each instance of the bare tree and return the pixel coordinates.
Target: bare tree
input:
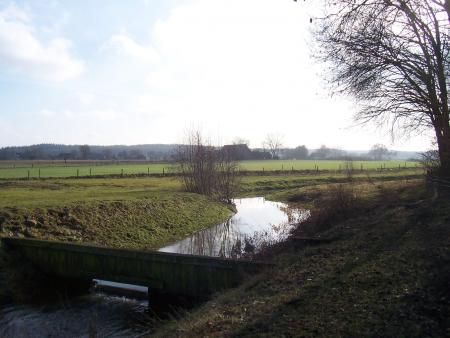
(207, 170)
(393, 56)
(85, 151)
(378, 152)
(227, 179)
(430, 160)
(240, 140)
(273, 143)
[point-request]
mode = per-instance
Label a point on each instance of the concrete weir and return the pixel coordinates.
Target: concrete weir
(164, 273)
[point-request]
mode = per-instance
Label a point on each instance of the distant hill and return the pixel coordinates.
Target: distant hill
(156, 152)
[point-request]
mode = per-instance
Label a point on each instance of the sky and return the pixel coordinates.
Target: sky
(145, 71)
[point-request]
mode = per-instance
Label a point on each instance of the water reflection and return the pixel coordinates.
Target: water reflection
(256, 223)
(94, 314)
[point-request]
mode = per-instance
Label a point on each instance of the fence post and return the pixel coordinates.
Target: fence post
(28, 174)
(90, 171)
(121, 174)
(148, 170)
(39, 173)
(163, 171)
(78, 172)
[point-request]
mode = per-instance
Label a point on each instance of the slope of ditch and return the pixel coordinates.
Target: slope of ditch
(384, 271)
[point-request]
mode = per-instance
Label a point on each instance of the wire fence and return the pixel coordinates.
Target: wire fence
(41, 169)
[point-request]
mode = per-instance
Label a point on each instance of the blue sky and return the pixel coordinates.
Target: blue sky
(143, 71)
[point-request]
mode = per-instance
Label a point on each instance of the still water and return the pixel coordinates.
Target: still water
(257, 222)
(94, 314)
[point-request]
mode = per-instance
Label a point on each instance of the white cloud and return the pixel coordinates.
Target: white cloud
(92, 115)
(232, 67)
(127, 46)
(242, 67)
(22, 51)
(47, 113)
(86, 98)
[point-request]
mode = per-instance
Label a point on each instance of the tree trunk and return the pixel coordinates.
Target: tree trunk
(447, 8)
(444, 155)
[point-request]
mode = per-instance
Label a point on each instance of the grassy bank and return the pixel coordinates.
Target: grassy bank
(384, 271)
(129, 212)
(149, 222)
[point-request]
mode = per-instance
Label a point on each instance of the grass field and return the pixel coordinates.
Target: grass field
(89, 169)
(380, 269)
(287, 165)
(47, 169)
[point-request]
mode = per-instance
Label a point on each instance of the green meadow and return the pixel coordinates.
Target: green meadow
(45, 169)
(287, 165)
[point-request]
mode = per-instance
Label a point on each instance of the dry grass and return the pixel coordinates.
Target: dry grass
(385, 273)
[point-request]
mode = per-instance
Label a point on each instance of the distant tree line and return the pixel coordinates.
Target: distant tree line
(152, 152)
(377, 152)
(168, 152)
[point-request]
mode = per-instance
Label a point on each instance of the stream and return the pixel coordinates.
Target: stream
(256, 223)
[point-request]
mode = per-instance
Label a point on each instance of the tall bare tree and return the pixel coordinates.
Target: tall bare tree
(378, 152)
(85, 151)
(273, 143)
(393, 56)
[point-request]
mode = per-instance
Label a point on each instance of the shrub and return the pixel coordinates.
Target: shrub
(337, 204)
(207, 170)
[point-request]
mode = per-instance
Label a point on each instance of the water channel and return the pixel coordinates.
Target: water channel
(257, 222)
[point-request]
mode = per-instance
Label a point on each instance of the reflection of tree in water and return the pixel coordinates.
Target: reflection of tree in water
(279, 232)
(225, 240)
(214, 241)
(294, 215)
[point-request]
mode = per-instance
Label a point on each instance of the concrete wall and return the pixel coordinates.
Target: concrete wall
(171, 274)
